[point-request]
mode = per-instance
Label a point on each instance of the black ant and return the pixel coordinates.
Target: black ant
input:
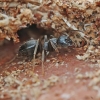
(44, 45)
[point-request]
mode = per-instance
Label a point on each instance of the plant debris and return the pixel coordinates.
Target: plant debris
(12, 86)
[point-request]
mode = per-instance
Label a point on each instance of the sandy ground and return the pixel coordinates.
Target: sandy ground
(72, 85)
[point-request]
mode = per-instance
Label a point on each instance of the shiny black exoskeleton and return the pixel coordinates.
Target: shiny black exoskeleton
(27, 49)
(64, 41)
(31, 48)
(45, 45)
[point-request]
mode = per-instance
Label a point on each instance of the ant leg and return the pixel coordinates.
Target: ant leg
(54, 46)
(43, 57)
(35, 51)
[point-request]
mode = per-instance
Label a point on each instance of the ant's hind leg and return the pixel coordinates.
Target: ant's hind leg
(35, 51)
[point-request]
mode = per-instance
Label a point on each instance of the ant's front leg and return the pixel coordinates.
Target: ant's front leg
(54, 46)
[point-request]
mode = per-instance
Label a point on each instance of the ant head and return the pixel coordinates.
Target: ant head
(64, 40)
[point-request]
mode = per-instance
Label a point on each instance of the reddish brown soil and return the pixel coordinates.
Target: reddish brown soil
(65, 66)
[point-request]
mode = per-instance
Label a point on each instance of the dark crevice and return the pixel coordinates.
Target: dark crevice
(32, 31)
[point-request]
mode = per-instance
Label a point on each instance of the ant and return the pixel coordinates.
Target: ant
(45, 45)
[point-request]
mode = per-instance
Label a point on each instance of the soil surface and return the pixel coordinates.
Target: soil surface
(73, 76)
(71, 86)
